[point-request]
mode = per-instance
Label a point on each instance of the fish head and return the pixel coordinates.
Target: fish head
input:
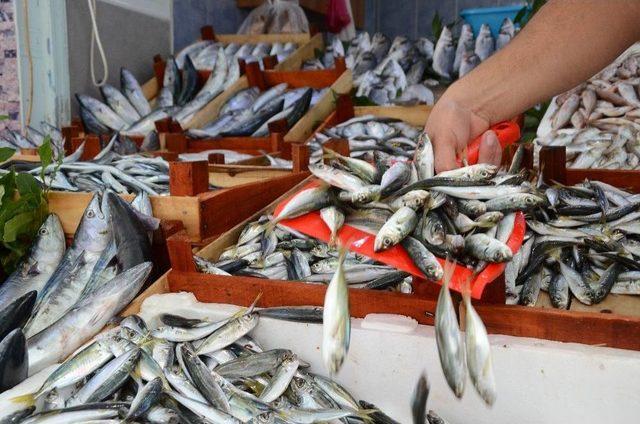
(50, 239)
(502, 254)
(383, 243)
(94, 233)
(135, 323)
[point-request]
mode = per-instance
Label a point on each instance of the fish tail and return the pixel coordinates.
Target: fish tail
(449, 268)
(253, 304)
(365, 414)
(28, 399)
(330, 154)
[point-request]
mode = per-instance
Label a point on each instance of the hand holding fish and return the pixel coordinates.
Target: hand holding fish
(451, 125)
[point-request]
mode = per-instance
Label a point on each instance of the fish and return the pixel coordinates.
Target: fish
(129, 233)
(478, 355)
(103, 113)
(444, 54)
(507, 32)
(470, 60)
(14, 359)
(38, 264)
(466, 43)
(449, 340)
(334, 219)
(485, 44)
(119, 103)
(85, 319)
(336, 327)
(132, 90)
(419, 401)
(16, 313)
(67, 282)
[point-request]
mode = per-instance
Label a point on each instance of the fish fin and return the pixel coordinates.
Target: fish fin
(330, 154)
(449, 268)
(253, 304)
(33, 270)
(28, 399)
(364, 414)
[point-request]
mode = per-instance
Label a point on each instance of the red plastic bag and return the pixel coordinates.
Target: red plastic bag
(337, 15)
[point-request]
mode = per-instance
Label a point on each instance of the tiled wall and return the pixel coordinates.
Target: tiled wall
(9, 87)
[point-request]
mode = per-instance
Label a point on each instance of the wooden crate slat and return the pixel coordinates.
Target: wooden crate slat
(244, 290)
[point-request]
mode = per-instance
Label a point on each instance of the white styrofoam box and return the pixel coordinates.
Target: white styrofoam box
(538, 381)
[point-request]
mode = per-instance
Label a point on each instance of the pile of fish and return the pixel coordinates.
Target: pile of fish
(181, 97)
(466, 215)
(188, 370)
(57, 299)
(203, 54)
(582, 244)
(452, 60)
(117, 167)
(33, 138)
(368, 134)
(598, 122)
(386, 72)
(249, 112)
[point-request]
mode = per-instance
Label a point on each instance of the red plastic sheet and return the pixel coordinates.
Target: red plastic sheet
(361, 242)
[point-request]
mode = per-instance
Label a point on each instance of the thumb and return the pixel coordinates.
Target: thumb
(444, 151)
(490, 149)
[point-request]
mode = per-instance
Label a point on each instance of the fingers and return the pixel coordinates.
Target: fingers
(490, 149)
(444, 150)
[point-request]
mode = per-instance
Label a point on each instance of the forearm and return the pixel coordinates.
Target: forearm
(567, 42)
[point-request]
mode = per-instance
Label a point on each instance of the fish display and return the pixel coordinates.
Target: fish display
(367, 135)
(120, 166)
(452, 61)
(126, 110)
(465, 215)
(580, 247)
(385, 71)
(203, 54)
(249, 112)
(59, 298)
(33, 138)
(598, 121)
(186, 370)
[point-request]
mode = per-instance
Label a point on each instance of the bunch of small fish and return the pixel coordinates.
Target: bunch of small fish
(59, 298)
(249, 112)
(598, 121)
(465, 214)
(181, 97)
(458, 355)
(451, 60)
(289, 255)
(117, 167)
(33, 138)
(188, 370)
(386, 72)
(203, 54)
(582, 243)
(368, 134)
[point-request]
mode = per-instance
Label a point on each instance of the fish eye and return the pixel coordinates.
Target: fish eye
(387, 242)
(91, 213)
(43, 231)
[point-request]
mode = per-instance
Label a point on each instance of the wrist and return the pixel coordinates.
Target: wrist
(465, 96)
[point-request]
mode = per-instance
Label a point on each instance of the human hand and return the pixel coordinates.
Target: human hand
(451, 126)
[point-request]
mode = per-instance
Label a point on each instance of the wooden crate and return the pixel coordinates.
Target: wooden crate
(243, 290)
(204, 214)
(613, 322)
(280, 136)
(152, 87)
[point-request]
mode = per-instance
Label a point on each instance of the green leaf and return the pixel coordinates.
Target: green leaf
(46, 152)
(4, 117)
(363, 101)
(6, 153)
(436, 25)
(519, 19)
(16, 225)
(26, 184)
